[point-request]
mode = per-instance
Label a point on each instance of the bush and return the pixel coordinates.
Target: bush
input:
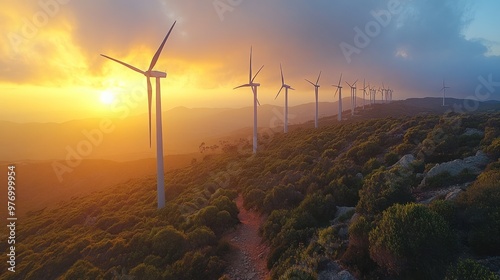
(298, 273)
(383, 189)
(470, 270)
(169, 243)
(254, 199)
(446, 209)
(146, 272)
(412, 240)
(357, 256)
(482, 213)
(83, 270)
(391, 158)
(493, 150)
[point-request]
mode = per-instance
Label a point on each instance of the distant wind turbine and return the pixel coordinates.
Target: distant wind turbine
(364, 93)
(339, 90)
(316, 89)
(444, 91)
(150, 73)
(353, 95)
(286, 87)
(254, 87)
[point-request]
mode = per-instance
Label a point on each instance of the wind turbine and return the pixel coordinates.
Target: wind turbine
(286, 87)
(353, 95)
(150, 73)
(254, 87)
(364, 93)
(316, 89)
(444, 91)
(339, 90)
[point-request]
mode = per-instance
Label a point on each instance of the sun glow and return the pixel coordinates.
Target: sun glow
(107, 98)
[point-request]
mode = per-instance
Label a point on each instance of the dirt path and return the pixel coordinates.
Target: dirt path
(248, 259)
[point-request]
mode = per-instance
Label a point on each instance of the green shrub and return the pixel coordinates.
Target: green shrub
(298, 273)
(146, 272)
(82, 270)
(470, 270)
(391, 158)
(383, 189)
(169, 243)
(482, 213)
(446, 209)
(254, 199)
(411, 240)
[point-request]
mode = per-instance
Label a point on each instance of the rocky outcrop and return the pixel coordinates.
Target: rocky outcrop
(473, 131)
(333, 271)
(474, 164)
(405, 161)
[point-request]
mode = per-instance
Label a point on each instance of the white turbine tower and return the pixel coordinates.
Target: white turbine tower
(150, 73)
(353, 96)
(254, 87)
(364, 93)
(444, 91)
(316, 89)
(339, 90)
(286, 87)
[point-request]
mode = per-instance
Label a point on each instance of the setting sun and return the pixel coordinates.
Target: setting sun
(107, 98)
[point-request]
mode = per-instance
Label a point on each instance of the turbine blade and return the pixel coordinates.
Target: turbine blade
(150, 97)
(125, 64)
(158, 52)
(251, 81)
(245, 85)
(291, 88)
(349, 84)
(258, 102)
(278, 93)
(336, 92)
(355, 83)
(250, 73)
(340, 81)
(317, 81)
(282, 78)
(310, 82)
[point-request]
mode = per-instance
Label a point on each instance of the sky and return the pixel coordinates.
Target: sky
(51, 69)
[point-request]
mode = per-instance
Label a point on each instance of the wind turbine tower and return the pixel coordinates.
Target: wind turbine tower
(253, 85)
(364, 93)
(286, 87)
(444, 92)
(339, 90)
(150, 73)
(316, 89)
(353, 96)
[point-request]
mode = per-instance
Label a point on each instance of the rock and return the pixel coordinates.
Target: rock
(342, 211)
(473, 131)
(453, 194)
(473, 164)
(343, 232)
(345, 275)
(333, 272)
(405, 161)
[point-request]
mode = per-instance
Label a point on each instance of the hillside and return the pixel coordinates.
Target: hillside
(40, 187)
(334, 200)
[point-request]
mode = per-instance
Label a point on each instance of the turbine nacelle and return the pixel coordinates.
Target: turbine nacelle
(156, 74)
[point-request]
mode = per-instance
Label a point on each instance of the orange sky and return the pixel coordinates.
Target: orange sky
(51, 70)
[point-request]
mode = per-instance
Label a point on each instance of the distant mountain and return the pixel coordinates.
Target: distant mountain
(184, 129)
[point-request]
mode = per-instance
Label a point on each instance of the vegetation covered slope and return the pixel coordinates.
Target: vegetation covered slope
(298, 180)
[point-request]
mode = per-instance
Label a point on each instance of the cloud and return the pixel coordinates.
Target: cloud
(422, 42)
